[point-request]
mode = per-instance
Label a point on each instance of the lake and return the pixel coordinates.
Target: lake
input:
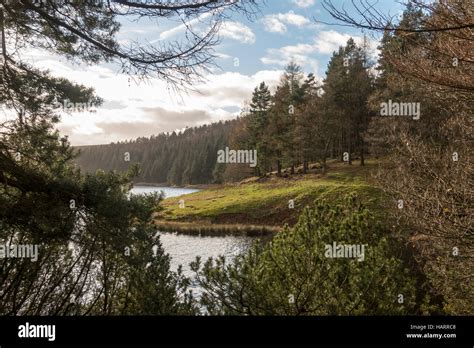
(184, 249)
(169, 191)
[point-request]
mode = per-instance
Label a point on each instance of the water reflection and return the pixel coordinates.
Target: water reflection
(184, 249)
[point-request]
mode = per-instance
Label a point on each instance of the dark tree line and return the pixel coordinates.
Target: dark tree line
(183, 158)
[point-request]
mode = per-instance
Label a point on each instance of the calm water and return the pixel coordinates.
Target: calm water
(184, 249)
(169, 191)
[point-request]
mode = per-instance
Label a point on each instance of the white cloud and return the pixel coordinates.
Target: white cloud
(231, 89)
(277, 23)
(273, 25)
(293, 19)
(230, 29)
(180, 29)
(237, 31)
(303, 54)
(329, 41)
(131, 110)
(304, 3)
(300, 54)
(222, 55)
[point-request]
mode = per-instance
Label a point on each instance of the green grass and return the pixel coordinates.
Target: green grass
(265, 202)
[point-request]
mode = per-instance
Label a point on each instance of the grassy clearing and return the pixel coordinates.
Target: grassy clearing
(264, 202)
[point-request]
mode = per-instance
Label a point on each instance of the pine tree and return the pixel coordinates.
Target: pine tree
(295, 275)
(305, 129)
(257, 126)
(347, 88)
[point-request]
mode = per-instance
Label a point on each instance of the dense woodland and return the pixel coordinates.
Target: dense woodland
(302, 122)
(305, 121)
(185, 158)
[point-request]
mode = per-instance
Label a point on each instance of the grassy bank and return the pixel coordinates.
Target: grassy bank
(261, 205)
(203, 228)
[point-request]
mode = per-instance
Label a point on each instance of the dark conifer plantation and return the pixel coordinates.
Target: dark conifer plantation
(185, 158)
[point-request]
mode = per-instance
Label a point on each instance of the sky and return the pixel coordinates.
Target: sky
(250, 51)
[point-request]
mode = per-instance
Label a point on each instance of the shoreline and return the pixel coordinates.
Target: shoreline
(165, 185)
(257, 207)
(216, 230)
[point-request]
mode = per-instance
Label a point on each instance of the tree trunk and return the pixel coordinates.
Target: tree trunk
(349, 146)
(341, 138)
(104, 274)
(257, 171)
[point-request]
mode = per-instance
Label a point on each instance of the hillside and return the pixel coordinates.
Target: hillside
(183, 158)
(259, 202)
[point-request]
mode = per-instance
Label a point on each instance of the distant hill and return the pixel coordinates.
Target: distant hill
(183, 158)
